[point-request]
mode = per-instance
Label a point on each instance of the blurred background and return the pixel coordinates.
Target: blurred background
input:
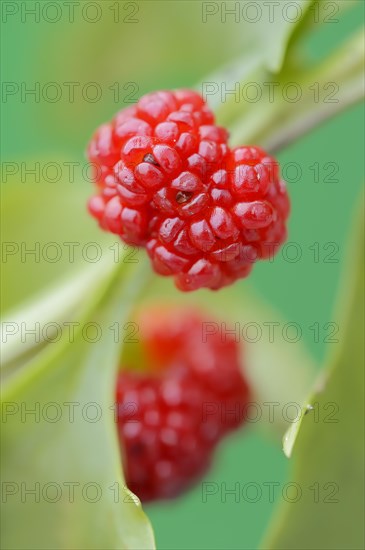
(65, 73)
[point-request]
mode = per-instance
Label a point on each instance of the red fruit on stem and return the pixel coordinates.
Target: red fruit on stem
(164, 159)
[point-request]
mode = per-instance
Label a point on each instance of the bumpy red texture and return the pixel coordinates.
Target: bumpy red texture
(167, 180)
(172, 414)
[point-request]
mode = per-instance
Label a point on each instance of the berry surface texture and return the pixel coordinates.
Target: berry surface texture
(168, 181)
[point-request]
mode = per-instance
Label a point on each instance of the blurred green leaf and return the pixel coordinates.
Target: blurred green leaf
(50, 308)
(71, 440)
(328, 454)
(323, 90)
(47, 233)
(270, 34)
(264, 43)
(282, 105)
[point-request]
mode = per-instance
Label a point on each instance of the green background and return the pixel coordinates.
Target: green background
(171, 47)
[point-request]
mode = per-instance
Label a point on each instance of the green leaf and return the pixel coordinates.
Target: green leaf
(328, 453)
(294, 93)
(265, 44)
(71, 439)
(325, 90)
(46, 231)
(53, 307)
(54, 258)
(270, 35)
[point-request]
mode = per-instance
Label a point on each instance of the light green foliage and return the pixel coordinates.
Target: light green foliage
(328, 453)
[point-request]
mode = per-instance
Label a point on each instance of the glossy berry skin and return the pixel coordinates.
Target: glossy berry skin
(167, 180)
(172, 415)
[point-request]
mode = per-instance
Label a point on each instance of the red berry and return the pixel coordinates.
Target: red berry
(173, 413)
(164, 159)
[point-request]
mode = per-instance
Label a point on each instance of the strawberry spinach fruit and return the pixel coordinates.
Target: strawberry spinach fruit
(167, 180)
(174, 410)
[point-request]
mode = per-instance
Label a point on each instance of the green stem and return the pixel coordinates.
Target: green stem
(280, 123)
(85, 300)
(55, 305)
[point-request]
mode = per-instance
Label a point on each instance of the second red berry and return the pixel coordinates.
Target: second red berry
(172, 413)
